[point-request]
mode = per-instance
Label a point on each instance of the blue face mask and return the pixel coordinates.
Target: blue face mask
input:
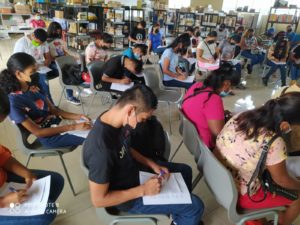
(224, 94)
(137, 56)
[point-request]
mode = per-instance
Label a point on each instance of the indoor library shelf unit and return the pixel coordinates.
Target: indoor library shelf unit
(184, 20)
(170, 24)
(283, 16)
(247, 19)
(229, 20)
(210, 20)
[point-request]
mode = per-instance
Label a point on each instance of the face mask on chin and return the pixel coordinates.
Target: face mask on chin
(224, 93)
(35, 43)
(137, 56)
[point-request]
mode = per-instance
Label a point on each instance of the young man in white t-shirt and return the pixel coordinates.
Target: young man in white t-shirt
(35, 44)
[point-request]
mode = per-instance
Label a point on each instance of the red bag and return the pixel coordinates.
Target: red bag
(86, 77)
(253, 222)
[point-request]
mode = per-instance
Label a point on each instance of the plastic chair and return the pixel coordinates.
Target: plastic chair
(111, 215)
(163, 95)
(61, 62)
(222, 185)
(35, 149)
(94, 68)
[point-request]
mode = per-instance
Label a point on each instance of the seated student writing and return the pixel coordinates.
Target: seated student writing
(136, 52)
(121, 69)
(13, 171)
(114, 166)
(32, 110)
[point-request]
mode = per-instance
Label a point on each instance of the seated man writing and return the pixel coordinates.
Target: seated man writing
(114, 166)
(121, 69)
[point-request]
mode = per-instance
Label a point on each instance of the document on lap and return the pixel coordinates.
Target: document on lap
(174, 190)
(121, 87)
(38, 195)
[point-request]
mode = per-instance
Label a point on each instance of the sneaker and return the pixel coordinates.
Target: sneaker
(249, 69)
(265, 81)
(241, 86)
(74, 101)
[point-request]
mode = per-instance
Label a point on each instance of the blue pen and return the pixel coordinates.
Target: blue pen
(161, 173)
(12, 189)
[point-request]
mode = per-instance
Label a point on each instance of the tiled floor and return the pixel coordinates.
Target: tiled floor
(79, 210)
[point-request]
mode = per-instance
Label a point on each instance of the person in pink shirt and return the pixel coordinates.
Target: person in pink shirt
(203, 104)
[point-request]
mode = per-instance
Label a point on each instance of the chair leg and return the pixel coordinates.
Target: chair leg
(62, 93)
(28, 160)
(91, 103)
(196, 181)
(177, 149)
(169, 109)
(66, 172)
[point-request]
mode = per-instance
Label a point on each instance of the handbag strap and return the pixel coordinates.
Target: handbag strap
(260, 166)
(208, 49)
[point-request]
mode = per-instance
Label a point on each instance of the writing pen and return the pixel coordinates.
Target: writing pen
(12, 189)
(161, 174)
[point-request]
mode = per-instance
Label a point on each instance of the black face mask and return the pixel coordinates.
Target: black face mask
(105, 47)
(210, 42)
(232, 43)
(127, 132)
(289, 30)
(221, 29)
(250, 36)
(198, 34)
(156, 31)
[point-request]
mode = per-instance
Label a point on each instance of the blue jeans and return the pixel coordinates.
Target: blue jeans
(61, 141)
(238, 68)
(295, 73)
(273, 69)
(182, 214)
(56, 187)
(159, 51)
(255, 58)
(176, 83)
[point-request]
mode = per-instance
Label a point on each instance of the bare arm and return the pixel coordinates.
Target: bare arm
(165, 68)
(281, 176)
(13, 166)
(149, 46)
(48, 58)
(199, 54)
(243, 44)
(215, 126)
(124, 80)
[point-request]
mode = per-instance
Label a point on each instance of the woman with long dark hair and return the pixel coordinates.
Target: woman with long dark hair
(203, 104)
(173, 75)
(277, 56)
(241, 143)
(32, 110)
(13, 171)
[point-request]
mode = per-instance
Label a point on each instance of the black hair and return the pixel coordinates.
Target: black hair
(106, 38)
(270, 115)
(40, 34)
(280, 35)
(222, 25)
(217, 77)
(17, 62)
(154, 25)
(236, 38)
(212, 34)
(4, 104)
(280, 51)
(189, 29)
(142, 23)
(140, 96)
(184, 50)
(52, 30)
(138, 65)
(142, 47)
(184, 39)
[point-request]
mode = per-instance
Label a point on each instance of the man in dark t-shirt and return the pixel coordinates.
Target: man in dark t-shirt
(138, 34)
(114, 166)
(120, 69)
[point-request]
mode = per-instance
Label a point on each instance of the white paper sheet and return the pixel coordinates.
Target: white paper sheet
(121, 87)
(79, 133)
(235, 61)
(44, 69)
(36, 203)
(174, 191)
(189, 79)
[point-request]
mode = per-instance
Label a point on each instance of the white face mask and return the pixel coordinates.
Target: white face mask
(287, 131)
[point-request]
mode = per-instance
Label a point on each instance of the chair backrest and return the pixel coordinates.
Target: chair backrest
(152, 78)
(82, 61)
(190, 136)
(167, 151)
(60, 63)
(94, 69)
(22, 138)
(219, 180)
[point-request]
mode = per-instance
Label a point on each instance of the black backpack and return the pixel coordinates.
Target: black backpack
(72, 74)
(149, 139)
